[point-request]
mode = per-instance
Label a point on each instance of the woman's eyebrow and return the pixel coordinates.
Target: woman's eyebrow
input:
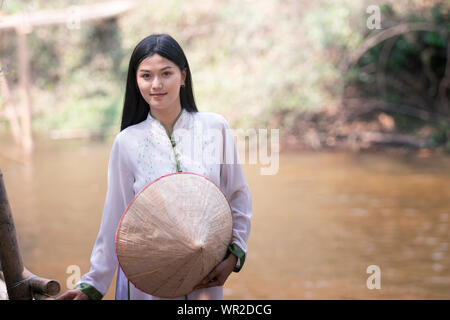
(166, 67)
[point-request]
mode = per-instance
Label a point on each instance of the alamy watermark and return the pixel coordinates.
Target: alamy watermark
(211, 146)
(75, 276)
(374, 19)
(374, 281)
(73, 17)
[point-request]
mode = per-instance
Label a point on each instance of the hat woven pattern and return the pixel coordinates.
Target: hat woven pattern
(175, 231)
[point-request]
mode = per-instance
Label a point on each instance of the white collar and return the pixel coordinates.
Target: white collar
(178, 121)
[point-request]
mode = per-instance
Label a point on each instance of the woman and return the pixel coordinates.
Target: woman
(162, 132)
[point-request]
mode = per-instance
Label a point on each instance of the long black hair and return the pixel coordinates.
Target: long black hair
(135, 108)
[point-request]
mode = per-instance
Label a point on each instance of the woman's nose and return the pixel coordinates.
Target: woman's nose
(156, 83)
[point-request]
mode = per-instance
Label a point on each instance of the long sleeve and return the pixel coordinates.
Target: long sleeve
(234, 185)
(119, 194)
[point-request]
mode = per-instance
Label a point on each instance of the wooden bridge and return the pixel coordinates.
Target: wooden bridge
(19, 117)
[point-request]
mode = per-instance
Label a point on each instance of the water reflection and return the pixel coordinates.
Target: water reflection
(317, 225)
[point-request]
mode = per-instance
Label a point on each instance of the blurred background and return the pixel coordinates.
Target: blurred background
(358, 89)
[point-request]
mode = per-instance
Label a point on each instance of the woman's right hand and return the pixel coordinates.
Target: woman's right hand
(75, 294)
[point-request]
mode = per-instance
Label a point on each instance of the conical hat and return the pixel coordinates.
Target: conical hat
(173, 233)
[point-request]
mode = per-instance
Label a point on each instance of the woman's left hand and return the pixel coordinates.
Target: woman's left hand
(220, 273)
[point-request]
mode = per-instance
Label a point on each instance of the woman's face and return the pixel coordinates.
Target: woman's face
(159, 81)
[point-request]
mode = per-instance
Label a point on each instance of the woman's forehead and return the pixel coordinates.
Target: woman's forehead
(155, 63)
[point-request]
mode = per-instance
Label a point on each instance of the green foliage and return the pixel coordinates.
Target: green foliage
(408, 70)
(434, 39)
(250, 60)
(90, 101)
(441, 136)
(96, 113)
(387, 10)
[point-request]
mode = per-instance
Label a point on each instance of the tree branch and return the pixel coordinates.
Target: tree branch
(374, 40)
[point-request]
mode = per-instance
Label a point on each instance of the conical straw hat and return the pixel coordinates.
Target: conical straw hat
(173, 233)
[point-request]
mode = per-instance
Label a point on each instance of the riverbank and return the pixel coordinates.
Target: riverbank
(350, 130)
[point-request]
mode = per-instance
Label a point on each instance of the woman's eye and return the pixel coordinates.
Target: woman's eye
(166, 73)
(145, 76)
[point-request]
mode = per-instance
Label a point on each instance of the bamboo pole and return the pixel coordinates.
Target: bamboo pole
(10, 256)
(41, 288)
(41, 285)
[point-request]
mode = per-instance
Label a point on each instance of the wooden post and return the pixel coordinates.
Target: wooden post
(10, 256)
(9, 112)
(5, 95)
(24, 83)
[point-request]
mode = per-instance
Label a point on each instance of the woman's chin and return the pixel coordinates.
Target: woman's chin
(159, 106)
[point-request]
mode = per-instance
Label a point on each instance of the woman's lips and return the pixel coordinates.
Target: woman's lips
(158, 95)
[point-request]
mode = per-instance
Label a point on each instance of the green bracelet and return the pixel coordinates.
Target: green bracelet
(239, 253)
(90, 291)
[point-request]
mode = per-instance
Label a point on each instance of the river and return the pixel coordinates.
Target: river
(318, 224)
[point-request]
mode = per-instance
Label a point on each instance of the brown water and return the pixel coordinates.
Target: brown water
(317, 224)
